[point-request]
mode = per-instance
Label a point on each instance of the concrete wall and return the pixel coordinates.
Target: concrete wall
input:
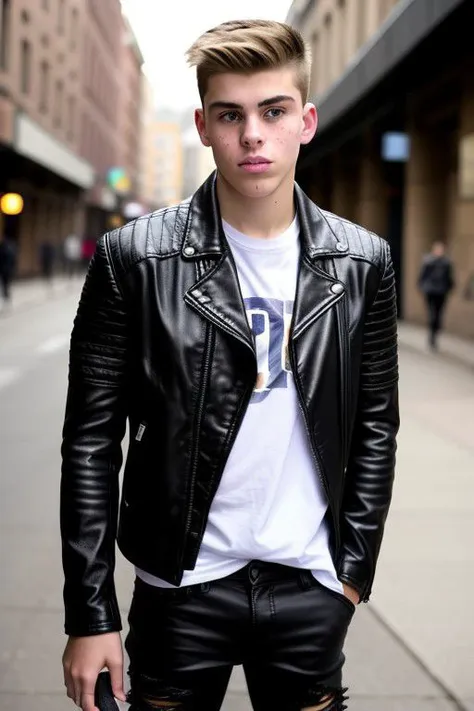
(335, 30)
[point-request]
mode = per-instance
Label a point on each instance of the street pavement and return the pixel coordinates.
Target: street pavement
(411, 648)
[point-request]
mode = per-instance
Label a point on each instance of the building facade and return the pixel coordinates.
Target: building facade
(395, 144)
(70, 117)
(111, 117)
(147, 183)
(168, 162)
(40, 97)
(198, 161)
(130, 108)
(100, 79)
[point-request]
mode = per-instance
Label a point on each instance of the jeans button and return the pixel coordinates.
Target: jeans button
(253, 573)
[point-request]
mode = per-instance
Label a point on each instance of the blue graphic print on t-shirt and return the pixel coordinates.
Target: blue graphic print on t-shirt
(270, 321)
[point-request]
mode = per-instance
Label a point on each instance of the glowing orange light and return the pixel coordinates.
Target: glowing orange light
(11, 204)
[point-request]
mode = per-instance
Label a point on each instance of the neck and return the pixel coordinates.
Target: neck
(263, 217)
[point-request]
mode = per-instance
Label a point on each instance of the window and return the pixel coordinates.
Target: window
(71, 109)
(361, 20)
(74, 28)
(315, 64)
(328, 49)
(44, 87)
(4, 32)
(58, 116)
(25, 63)
(61, 16)
(341, 47)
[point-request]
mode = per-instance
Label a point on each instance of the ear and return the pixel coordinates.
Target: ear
(310, 123)
(200, 121)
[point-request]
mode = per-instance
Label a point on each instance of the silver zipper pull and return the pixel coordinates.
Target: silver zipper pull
(140, 433)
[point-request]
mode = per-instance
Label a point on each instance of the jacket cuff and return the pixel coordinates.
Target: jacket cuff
(73, 630)
(355, 575)
(89, 622)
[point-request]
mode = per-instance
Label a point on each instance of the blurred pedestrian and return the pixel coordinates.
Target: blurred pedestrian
(435, 281)
(72, 254)
(250, 338)
(47, 255)
(87, 250)
(7, 266)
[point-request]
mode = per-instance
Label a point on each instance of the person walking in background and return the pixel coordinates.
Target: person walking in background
(47, 256)
(72, 254)
(435, 282)
(7, 266)
(87, 250)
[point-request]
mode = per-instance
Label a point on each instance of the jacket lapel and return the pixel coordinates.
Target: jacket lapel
(317, 291)
(216, 295)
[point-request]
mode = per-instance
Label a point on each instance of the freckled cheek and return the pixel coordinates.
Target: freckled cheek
(223, 147)
(286, 136)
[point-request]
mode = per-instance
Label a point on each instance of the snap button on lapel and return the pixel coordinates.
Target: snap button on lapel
(337, 288)
(341, 247)
(189, 251)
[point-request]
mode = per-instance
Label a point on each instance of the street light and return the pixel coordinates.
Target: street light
(11, 204)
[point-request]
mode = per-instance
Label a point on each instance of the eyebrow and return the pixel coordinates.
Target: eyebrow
(266, 102)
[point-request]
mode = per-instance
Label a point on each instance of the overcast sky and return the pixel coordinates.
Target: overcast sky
(165, 30)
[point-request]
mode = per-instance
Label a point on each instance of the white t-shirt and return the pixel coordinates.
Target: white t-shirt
(270, 504)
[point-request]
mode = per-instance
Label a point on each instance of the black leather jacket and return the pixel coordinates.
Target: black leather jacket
(161, 337)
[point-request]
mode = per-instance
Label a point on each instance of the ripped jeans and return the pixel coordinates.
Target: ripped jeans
(285, 628)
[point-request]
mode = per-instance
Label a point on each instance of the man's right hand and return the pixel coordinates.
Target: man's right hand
(83, 660)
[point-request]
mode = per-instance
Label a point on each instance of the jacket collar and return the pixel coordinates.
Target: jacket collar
(204, 235)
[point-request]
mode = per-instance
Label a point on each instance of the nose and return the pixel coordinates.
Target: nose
(251, 133)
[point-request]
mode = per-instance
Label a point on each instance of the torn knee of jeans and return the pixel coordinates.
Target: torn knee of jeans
(149, 694)
(324, 698)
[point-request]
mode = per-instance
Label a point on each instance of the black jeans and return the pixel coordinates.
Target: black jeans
(435, 304)
(5, 281)
(285, 628)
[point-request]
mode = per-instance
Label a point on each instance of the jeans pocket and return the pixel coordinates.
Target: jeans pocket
(308, 581)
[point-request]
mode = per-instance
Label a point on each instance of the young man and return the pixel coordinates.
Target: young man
(250, 340)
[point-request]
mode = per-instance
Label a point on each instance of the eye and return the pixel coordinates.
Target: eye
(230, 116)
(274, 113)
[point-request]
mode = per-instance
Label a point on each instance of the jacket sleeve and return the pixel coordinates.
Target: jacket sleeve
(94, 427)
(371, 464)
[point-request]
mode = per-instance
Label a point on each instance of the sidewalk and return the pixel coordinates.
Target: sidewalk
(451, 347)
(410, 649)
(29, 293)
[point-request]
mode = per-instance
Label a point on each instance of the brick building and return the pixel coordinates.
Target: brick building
(70, 104)
(112, 104)
(40, 97)
(393, 83)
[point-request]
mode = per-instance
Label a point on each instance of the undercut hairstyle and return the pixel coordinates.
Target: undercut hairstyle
(249, 46)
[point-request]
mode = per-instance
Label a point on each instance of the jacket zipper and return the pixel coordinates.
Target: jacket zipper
(208, 347)
(141, 431)
(316, 456)
(342, 328)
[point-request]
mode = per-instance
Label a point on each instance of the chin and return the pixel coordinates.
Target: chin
(252, 187)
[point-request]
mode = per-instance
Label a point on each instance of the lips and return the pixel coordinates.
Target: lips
(257, 160)
(255, 164)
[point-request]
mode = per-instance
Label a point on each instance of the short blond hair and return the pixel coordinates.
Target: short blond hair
(248, 46)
